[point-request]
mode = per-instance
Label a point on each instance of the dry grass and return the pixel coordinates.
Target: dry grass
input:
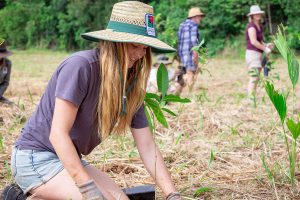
(219, 119)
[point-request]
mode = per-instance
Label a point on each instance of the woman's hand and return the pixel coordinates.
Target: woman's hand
(90, 191)
(270, 45)
(153, 159)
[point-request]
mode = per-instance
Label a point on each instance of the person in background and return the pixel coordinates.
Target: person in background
(152, 83)
(5, 71)
(188, 37)
(91, 95)
(255, 46)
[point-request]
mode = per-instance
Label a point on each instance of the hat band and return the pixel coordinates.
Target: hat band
(128, 28)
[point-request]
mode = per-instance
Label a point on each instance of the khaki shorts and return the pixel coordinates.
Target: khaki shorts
(253, 59)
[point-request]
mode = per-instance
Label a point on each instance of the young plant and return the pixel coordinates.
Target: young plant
(279, 100)
(155, 104)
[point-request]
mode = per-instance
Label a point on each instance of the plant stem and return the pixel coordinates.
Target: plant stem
(293, 161)
(286, 140)
(293, 101)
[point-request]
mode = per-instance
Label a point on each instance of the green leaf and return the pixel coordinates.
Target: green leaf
(169, 111)
(277, 99)
(198, 47)
(202, 190)
(154, 106)
(178, 139)
(294, 128)
(269, 173)
(175, 98)
(152, 96)
(211, 157)
(1, 40)
(162, 79)
(281, 42)
(293, 68)
(149, 119)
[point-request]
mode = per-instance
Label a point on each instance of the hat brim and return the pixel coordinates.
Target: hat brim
(255, 13)
(5, 54)
(200, 14)
(115, 36)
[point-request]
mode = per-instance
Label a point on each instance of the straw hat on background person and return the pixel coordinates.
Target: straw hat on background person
(131, 22)
(193, 12)
(254, 10)
(3, 51)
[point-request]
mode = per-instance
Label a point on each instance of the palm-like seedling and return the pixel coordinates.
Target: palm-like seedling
(279, 100)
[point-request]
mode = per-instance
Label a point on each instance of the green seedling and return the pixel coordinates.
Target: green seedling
(294, 128)
(132, 154)
(279, 100)
(156, 103)
(202, 191)
(178, 139)
(211, 157)
(269, 173)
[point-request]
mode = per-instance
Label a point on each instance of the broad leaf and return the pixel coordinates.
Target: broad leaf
(280, 42)
(152, 96)
(294, 128)
(157, 112)
(293, 67)
(169, 111)
(174, 98)
(162, 79)
(277, 99)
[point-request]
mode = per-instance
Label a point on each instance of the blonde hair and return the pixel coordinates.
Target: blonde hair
(112, 54)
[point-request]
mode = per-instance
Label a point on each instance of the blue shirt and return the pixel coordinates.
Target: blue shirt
(188, 37)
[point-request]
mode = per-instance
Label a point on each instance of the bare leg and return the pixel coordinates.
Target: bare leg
(253, 83)
(63, 187)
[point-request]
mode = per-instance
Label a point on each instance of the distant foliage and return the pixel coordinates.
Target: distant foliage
(52, 23)
(58, 24)
(225, 20)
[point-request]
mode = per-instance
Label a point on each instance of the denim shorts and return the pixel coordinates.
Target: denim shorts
(32, 168)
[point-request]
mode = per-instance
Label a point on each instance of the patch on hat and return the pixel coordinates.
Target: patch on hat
(150, 24)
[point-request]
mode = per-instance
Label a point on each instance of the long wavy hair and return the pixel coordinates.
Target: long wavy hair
(112, 54)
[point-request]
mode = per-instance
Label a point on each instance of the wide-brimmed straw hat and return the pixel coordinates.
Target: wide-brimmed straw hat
(3, 50)
(193, 12)
(131, 22)
(255, 9)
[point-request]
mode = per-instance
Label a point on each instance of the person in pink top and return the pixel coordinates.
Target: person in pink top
(255, 46)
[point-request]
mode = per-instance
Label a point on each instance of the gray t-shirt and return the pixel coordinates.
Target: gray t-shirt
(75, 80)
